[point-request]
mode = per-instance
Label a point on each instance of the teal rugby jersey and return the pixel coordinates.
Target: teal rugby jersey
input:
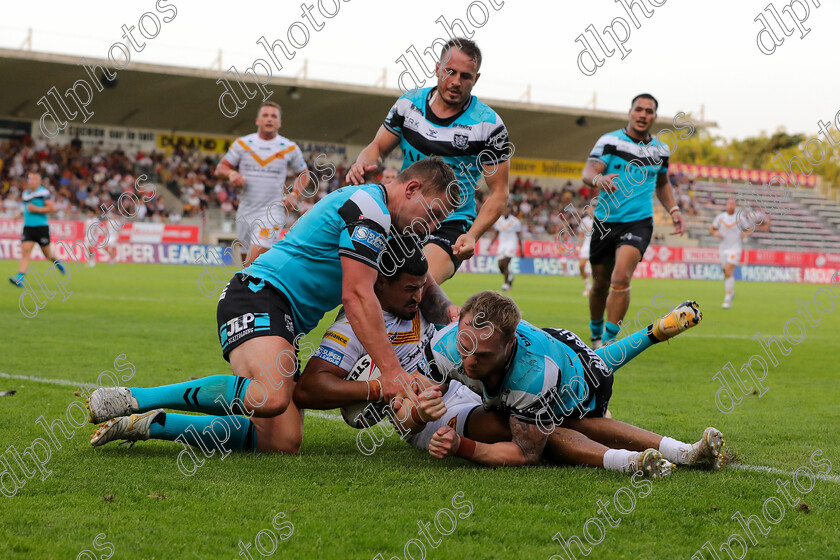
(474, 137)
(545, 379)
(39, 198)
(633, 200)
(305, 265)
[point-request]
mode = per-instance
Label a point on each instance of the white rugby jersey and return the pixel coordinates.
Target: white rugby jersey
(586, 225)
(508, 229)
(730, 227)
(265, 165)
(340, 346)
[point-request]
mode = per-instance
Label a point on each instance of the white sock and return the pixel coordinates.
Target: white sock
(675, 451)
(729, 285)
(620, 460)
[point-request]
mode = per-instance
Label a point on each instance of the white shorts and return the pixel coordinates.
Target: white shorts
(249, 231)
(584, 248)
(506, 250)
(113, 237)
(730, 256)
(459, 401)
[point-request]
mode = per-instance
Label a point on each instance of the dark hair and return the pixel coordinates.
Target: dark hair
(646, 96)
(402, 255)
(466, 46)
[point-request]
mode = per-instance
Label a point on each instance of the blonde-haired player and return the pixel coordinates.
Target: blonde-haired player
(259, 164)
(729, 227)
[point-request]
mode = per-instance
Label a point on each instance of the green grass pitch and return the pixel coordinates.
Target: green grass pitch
(344, 505)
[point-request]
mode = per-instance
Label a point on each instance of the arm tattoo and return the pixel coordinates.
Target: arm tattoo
(529, 438)
(434, 304)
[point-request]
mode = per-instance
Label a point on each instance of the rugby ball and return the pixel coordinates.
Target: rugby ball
(363, 414)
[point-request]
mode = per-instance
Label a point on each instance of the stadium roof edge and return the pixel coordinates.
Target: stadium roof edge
(186, 99)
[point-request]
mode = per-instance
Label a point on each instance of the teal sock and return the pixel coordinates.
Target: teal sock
(610, 332)
(218, 394)
(596, 328)
(622, 351)
(228, 433)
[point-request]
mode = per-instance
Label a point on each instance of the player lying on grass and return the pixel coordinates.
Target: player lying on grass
(329, 257)
(538, 384)
(323, 385)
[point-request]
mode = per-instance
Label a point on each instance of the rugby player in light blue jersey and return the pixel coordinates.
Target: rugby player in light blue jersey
(544, 381)
(627, 167)
(328, 258)
(37, 203)
(448, 121)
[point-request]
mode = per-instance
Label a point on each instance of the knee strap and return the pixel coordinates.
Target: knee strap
(619, 289)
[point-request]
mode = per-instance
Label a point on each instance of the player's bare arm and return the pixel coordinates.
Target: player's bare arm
(322, 387)
(372, 155)
(435, 306)
(666, 196)
(525, 449)
(365, 315)
(226, 171)
(496, 177)
(592, 176)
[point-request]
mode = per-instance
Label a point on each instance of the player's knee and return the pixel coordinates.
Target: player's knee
(620, 278)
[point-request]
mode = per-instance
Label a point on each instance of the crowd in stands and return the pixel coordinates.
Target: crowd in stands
(88, 177)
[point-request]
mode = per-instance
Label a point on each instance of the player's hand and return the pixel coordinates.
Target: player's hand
(445, 442)
(679, 223)
(605, 182)
(453, 313)
(391, 387)
(431, 405)
(464, 246)
(236, 179)
(357, 172)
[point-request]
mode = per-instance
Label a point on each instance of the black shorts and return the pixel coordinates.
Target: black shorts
(446, 235)
(250, 308)
(38, 234)
(602, 248)
(599, 378)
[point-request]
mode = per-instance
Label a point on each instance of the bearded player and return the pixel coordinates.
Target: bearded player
(448, 121)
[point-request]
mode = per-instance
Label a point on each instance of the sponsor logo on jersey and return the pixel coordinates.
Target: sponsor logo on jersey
(337, 337)
(329, 355)
(239, 324)
(498, 140)
(369, 238)
(461, 141)
(290, 326)
(453, 422)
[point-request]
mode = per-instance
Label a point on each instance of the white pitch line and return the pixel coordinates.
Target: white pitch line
(42, 380)
(319, 414)
(760, 468)
(328, 416)
(315, 413)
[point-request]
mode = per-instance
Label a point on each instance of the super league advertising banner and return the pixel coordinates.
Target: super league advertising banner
(154, 243)
(663, 262)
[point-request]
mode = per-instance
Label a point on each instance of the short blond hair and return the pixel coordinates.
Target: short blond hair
(500, 311)
(270, 104)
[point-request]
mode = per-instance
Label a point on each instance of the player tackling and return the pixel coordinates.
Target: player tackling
(330, 257)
